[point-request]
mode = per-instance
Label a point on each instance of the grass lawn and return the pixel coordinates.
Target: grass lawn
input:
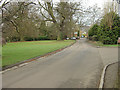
(20, 51)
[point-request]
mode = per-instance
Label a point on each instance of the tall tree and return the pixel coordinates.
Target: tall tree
(17, 14)
(109, 13)
(62, 9)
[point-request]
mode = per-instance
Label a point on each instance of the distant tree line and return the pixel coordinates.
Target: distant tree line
(27, 21)
(41, 20)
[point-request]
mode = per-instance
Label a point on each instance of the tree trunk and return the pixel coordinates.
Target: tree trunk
(60, 34)
(3, 42)
(59, 37)
(21, 38)
(110, 27)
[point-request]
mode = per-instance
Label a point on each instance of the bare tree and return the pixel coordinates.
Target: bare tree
(64, 10)
(94, 13)
(17, 14)
(109, 13)
(3, 3)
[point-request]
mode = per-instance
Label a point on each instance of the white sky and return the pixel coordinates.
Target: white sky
(100, 3)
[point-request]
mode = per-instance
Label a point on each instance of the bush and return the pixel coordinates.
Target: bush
(106, 40)
(107, 34)
(92, 33)
(94, 38)
(37, 38)
(15, 39)
(42, 38)
(28, 39)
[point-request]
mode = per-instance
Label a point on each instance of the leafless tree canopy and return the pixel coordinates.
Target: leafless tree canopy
(21, 20)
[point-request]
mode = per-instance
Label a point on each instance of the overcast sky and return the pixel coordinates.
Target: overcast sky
(92, 2)
(100, 3)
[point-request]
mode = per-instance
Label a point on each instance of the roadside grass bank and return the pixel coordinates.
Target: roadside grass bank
(13, 53)
(98, 43)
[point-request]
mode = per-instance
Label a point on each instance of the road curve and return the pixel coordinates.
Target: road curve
(78, 66)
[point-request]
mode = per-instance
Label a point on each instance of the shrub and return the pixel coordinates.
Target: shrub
(94, 38)
(106, 33)
(37, 38)
(106, 40)
(15, 39)
(92, 33)
(42, 38)
(28, 39)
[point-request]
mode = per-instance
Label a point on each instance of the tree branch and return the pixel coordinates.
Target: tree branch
(42, 6)
(47, 19)
(15, 26)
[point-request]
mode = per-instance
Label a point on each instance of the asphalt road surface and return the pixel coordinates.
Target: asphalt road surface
(78, 66)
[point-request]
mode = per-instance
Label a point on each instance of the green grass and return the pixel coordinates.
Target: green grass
(20, 51)
(111, 45)
(98, 43)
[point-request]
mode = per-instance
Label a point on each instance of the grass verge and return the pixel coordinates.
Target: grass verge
(98, 43)
(19, 51)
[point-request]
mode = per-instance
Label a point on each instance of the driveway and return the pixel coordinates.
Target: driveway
(78, 66)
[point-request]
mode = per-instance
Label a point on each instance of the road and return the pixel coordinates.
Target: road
(78, 66)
